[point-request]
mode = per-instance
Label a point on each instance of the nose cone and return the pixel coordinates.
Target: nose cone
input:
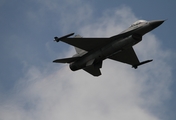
(156, 23)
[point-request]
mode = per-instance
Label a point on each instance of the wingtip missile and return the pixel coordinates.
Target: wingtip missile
(141, 63)
(63, 37)
(56, 39)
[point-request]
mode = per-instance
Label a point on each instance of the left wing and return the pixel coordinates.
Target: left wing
(127, 56)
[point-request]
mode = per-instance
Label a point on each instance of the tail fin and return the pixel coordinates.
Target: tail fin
(78, 50)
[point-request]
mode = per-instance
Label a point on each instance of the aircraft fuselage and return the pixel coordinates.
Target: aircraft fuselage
(90, 56)
(111, 48)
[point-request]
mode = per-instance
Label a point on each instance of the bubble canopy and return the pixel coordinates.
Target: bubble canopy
(138, 22)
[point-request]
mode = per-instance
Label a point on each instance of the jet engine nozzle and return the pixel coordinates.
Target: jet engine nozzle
(73, 67)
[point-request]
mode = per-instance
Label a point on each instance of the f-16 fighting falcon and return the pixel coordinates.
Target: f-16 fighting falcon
(92, 51)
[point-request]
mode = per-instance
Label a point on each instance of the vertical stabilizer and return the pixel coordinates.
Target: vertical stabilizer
(78, 50)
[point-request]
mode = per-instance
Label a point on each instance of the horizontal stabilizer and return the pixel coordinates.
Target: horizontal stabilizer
(141, 63)
(93, 70)
(63, 37)
(66, 60)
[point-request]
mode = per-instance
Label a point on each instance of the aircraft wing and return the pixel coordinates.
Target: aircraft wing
(87, 44)
(127, 56)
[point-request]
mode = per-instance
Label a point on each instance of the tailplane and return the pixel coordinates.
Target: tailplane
(93, 70)
(67, 60)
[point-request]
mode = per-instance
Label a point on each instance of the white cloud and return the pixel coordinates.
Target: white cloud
(120, 93)
(111, 23)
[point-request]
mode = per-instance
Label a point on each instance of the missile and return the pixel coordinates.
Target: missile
(141, 63)
(63, 37)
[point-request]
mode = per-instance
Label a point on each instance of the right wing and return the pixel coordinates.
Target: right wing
(87, 44)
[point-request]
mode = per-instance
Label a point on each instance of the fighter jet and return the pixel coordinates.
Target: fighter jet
(92, 51)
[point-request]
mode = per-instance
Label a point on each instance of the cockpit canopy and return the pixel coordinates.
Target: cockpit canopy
(138, 22)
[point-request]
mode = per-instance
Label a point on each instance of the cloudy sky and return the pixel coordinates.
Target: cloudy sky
(34, 88)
